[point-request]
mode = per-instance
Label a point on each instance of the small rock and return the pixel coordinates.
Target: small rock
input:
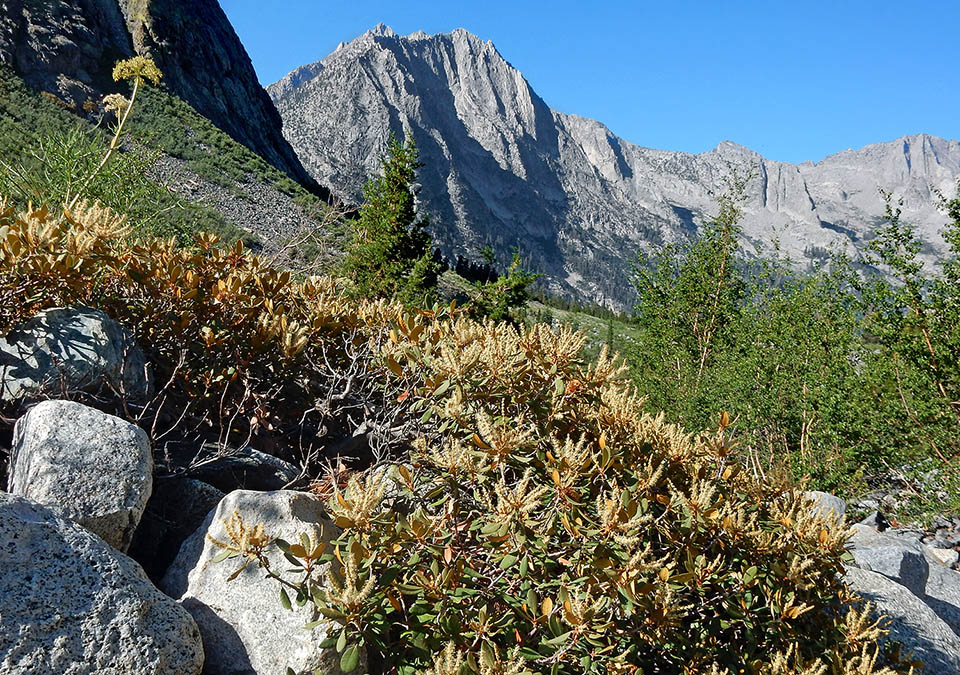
(877, 521)
(867, 504)
(244, 627)
(71, 604)
(947, 556)
(69, 349)
(912, 623)
(826, 504)
(244, 469)
(889, 502)
(94, 468)
(937, 542)
(897, 558)
(940, 522)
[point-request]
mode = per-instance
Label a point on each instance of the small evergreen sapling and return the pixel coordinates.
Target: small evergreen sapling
(392, 254)
(502, 298)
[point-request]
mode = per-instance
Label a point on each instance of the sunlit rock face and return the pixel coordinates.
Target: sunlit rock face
(503, 169)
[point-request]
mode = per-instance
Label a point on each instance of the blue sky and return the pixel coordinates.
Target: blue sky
(791, 80)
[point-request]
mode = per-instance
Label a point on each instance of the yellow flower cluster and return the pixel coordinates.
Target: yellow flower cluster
(138, 68)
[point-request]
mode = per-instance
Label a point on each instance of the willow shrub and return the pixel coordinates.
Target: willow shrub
(842, 374)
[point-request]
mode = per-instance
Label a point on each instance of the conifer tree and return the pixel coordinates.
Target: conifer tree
(392, 254)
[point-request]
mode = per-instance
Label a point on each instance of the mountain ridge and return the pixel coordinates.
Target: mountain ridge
(504, 169)
(68, 49)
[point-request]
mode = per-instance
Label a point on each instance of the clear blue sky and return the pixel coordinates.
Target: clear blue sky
(791, 80)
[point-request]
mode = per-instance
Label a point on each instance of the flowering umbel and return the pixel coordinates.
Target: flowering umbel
(117, 103)
(138, 68)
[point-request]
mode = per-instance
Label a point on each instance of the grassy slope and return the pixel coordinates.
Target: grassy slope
(169, 124)
(29, 120)
(597, 329)
(165, 122)
(161, 123)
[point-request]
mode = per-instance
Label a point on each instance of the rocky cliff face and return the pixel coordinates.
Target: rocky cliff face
(502, 168)
(68, 48)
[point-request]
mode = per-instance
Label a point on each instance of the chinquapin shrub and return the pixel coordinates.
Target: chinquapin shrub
(538, 519)
(550, 525)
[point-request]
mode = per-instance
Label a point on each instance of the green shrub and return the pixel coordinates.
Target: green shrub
(911, 397)
(829, 372)
(507, 297)
(551, 526)
(233, 338)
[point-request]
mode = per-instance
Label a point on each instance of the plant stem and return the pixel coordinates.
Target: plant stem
(114, 142)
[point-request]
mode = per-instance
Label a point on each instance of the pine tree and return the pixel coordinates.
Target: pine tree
(505, 298)
(391, 254)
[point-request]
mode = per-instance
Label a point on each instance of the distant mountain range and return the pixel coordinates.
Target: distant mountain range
(503, 169)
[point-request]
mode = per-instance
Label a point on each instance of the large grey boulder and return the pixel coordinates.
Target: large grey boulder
(96, 469)
(69, 603)
(943, 591)
(912, 623)
(898, 558)
(245, 629)
(70, 349)
(243, 468)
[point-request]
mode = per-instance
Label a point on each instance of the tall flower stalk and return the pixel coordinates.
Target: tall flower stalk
(135, 70)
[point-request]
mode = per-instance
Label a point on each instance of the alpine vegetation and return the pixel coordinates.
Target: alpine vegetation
(315, 446)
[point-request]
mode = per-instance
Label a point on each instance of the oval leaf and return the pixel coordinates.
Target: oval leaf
(350, 659)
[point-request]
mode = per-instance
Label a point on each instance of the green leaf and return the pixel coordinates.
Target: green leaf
(350, 659)
(508, 561)
(442, 389)
(223, 555)
(285, 599)
(342, 641)
(488, 655)
(331, 613)
(533, 603)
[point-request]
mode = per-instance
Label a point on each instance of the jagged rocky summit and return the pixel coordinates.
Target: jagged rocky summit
(503, 169)
(68, 48)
